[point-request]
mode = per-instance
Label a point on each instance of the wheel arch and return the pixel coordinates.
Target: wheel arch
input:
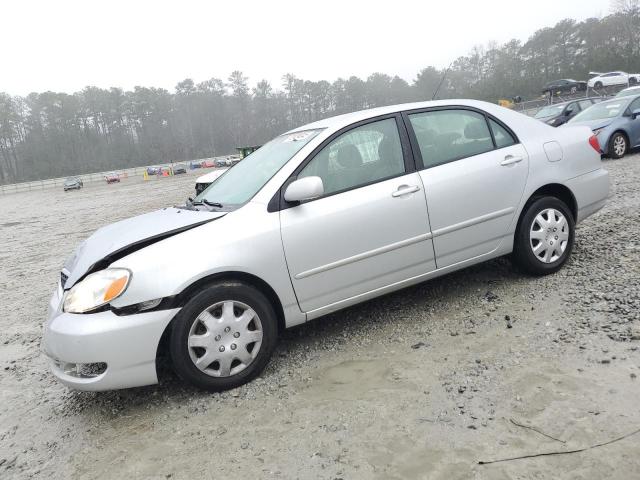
(558, 190)
(199, 284)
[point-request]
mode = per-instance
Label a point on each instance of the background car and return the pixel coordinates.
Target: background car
(565, 85)
(112, 178)
(615, 122)
(220, 162)
(627, 92)
(207, 163)
(179, 168)
(205, 180)
(72, 183)
(560, 113)
(153, 170)
(613, 78)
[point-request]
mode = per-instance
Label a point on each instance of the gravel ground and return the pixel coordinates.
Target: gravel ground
(482, 364)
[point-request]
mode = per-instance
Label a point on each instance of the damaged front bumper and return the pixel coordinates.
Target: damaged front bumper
(103, 351)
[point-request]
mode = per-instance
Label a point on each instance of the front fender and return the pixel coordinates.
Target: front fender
(246, 240)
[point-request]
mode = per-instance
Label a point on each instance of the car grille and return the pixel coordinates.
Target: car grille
(63, 279)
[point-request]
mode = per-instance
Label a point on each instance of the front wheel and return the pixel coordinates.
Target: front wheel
(223, 337)
(617, 145)
(544, 237)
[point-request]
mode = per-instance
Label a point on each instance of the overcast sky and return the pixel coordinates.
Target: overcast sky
(64, 45)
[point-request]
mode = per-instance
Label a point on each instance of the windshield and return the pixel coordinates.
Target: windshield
(240, 183)
(550, 111)
(602, 111)
(628, 92)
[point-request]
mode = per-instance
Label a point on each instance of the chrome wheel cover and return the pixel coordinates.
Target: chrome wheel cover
(549, 235)
(225, 338)
(619, 145)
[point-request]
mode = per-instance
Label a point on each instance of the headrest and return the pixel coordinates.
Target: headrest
(387, 148)
(349, 156)
(476, 130)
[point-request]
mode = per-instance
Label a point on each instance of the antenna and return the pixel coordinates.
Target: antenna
(444, 75)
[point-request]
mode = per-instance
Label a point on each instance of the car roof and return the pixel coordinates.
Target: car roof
(346, 119)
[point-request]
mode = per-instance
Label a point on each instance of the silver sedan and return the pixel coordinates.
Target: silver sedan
(322, 217)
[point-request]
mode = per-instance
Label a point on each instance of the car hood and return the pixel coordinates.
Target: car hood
(119, 239)
(592, 124)
(211, 176)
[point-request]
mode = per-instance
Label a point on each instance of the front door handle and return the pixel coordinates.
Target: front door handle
(405, 190)
(510, 160)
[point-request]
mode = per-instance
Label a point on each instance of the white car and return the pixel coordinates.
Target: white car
(325, 216)
(204, 181)
(613, 78)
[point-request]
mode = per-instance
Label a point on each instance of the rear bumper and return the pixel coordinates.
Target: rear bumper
(126, 344)
(591, 191)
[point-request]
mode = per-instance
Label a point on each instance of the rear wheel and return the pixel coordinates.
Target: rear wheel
(224, 336)
(598, 85)
(544, 238)
(618, 145)
(633, 81)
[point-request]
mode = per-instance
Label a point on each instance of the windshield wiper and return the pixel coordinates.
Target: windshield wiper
(211, 204)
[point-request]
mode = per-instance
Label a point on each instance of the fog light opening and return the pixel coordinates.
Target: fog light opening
(83, 370)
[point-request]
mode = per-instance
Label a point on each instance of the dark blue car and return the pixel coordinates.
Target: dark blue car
(615, 122)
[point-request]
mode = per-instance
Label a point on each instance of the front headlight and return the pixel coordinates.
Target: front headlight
(97, 290)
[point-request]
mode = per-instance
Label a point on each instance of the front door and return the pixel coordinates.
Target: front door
(474, 176)
(369, 230)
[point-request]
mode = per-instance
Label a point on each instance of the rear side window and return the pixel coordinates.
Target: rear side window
(447, 135)
(502, 136)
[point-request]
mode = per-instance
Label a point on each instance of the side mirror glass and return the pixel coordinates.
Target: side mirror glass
(306, 188)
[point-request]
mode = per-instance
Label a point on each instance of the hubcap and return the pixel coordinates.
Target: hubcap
(619, 145)
(549, 235)
(225, 338)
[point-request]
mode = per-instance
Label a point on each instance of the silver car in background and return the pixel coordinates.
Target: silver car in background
(322, 217)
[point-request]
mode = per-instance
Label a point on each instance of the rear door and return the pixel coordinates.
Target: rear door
(370, 229)
(474, 172)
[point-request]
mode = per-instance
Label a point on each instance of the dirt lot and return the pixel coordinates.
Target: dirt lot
(423, 383)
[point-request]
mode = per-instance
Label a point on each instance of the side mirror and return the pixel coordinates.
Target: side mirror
(635, 114)
(306, 188)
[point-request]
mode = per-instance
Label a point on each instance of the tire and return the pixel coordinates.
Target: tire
(618, 145)
(633, 81)
(574, 90)
(597, 85)
(225, 349)
(536, 213)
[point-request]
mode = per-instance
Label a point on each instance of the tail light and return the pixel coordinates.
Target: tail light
(593, 141)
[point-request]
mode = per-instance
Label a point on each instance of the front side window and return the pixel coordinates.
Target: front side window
(241, 182)
(447, 135)
(361, 156)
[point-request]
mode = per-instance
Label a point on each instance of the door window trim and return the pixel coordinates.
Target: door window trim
(278, 203)
(413, 140)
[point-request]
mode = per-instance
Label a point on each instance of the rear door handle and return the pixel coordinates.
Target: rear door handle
(510, 160)
(405, 190)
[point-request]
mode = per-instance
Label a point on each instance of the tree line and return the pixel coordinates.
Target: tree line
(52, 134)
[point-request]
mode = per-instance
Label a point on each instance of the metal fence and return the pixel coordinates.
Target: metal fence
(93, 177)
(531, 107)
